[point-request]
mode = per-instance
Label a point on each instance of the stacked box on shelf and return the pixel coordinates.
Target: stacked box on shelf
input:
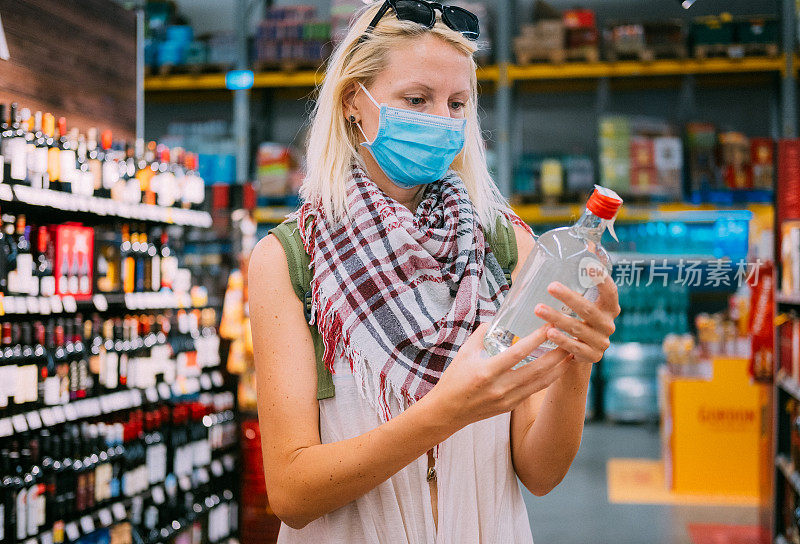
(790, 258)
(645, 41)
(290, 36)
(223, 50)
(614, 141)
(630, 382)
(788, 197)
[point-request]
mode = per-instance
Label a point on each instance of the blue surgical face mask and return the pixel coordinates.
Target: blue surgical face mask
(414, 148)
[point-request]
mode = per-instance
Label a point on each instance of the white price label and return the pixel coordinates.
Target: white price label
(10, 305)
(105, 404)
(6, 427)
(34, 421)
(32, 304)
(151, 394)
(72, 531)
(48, 418)
(70, 412)
(20, 423)
(129, 302)
(118, 509)
(44, 306)
(70, 306)
(59, 414)
(100, 302)
(94, 408)
(136, 397)
(105, 517)
(164, 391)
(55, 304)
(87, 524)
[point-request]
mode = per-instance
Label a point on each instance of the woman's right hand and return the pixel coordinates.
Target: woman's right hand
(475, 386)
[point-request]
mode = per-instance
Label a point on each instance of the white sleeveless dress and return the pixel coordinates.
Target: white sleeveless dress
(479, 499)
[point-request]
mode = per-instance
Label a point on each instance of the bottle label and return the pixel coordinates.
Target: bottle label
(47, 286)
(112, 369)
(110, 174)
(33, 510)
(24, 273)
(67, 165)
(22, 510)
(16, 153)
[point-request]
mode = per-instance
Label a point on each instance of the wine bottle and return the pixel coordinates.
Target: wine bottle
(44, 263)
(14, 149)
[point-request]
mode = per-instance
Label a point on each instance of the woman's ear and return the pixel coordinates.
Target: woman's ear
(351, 112)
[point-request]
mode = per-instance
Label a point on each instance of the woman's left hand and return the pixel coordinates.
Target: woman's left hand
(596, 324)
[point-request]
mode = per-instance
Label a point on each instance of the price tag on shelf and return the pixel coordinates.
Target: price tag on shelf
(32, 304)
(205, 382)
(216, 379)
(158, 495)
(104, 404)
(140, 300)
(71, 412)
(70, 306)
(100, 302)
(6, 427)
(129, 302)
(118, 509)
(20, 423)
(5, 192)
(151, 394)
(10, 305)
(104, 515)
(87, 524)
(58, 413)
(44, 306)
(164, 391)
(72, 531)
(48, 419)
(94, 407)
(55, 304)
(34, 421)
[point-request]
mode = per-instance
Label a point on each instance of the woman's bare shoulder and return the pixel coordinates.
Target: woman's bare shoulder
(268, 263)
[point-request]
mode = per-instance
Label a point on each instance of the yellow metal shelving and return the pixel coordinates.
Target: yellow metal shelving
(495, 73)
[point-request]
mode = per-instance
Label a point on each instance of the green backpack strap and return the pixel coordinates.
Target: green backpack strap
(503, 242)
(298, 262)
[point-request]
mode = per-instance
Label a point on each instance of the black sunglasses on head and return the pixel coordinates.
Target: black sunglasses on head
(424, 13)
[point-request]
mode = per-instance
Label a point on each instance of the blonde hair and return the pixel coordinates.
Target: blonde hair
(333, 142)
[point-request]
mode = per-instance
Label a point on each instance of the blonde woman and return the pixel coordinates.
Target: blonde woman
(382, 420)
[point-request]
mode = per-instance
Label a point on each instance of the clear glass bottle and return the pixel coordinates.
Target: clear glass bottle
(572, 256)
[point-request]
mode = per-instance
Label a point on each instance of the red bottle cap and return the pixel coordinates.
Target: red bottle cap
(106, 139)
(604, 203)
(62, 126)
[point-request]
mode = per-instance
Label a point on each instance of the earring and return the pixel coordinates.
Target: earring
(352, 118)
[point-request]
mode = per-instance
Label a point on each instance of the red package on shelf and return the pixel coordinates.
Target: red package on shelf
(762, 162)
(788, 189)
(762, 310)
(74, 258)
(579, 18)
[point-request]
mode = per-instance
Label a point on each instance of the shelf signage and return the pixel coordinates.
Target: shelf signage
(237, 80)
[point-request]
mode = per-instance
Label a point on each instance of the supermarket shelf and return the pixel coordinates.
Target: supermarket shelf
(788, 384)
(261, 80)
(107, 404)
(21, 305)
(45, 199)
(666, 67)
(563, 213)
(492, 73)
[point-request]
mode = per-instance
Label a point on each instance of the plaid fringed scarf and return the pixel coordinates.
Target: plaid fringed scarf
(395, 292)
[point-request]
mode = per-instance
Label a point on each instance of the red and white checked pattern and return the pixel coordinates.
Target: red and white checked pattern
(395, 292)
